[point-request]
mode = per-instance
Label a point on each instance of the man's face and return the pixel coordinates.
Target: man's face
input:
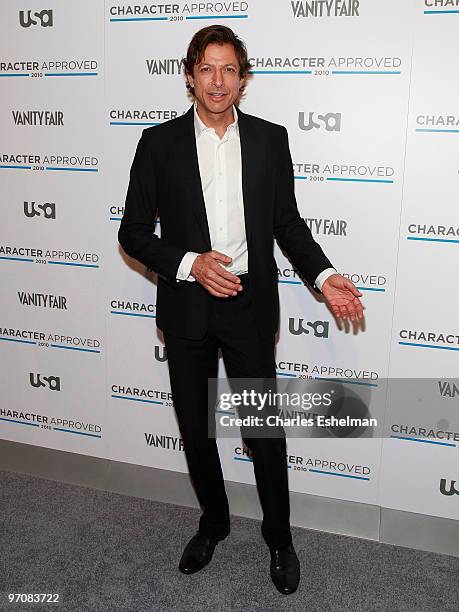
(216, 79)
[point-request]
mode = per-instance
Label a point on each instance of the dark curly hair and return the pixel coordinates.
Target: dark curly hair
(219, 35)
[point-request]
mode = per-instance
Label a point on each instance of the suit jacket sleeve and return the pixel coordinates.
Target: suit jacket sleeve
(137, 229)
(291, 231)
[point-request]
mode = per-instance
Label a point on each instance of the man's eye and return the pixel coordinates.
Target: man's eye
(204, 69)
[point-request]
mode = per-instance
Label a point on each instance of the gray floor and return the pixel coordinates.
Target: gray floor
(104, 551)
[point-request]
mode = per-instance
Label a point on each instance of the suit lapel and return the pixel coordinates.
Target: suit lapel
(249, 155)
(190, 162)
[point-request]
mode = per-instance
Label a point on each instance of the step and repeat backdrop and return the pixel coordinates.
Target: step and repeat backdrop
(368, 92)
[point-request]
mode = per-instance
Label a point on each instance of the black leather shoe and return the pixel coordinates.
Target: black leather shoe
(198, 552)
(285, 569)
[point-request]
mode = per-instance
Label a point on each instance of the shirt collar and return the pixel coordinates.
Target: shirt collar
(201, 128)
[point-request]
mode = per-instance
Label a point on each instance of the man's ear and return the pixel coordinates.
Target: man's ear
(189, 80)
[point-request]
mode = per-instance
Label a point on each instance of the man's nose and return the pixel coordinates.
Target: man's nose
(218, 78)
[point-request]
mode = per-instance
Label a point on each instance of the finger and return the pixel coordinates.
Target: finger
(220, 270)
(220, 280)
(213, 289)
(215, 293)
(350, 285)
(211, 286)
(359, 309)
(220, 257)
(343, 311)
(220, 289)
(336, 311)
(351, 310)
(224, 284)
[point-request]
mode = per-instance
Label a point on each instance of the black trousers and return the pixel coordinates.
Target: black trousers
(246, 353)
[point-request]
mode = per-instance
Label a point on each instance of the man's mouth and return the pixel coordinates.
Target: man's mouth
(217, 95)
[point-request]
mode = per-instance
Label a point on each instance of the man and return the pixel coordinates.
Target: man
(222, 182)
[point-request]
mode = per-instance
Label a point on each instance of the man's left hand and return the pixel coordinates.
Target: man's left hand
(343, 297)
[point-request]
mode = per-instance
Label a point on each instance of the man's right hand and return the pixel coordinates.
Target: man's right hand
(207, 270)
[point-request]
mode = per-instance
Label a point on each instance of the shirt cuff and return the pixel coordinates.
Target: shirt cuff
(323, 277)
(183, 272)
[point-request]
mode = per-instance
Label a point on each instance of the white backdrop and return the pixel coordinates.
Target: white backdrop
(368, 91)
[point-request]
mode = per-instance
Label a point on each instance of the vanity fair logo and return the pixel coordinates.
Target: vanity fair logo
(38, 117)
(43, 18)
(170, 443)
(169, 66)
(43, 300)
(448, 388)
(331, 122)
(327, 227)
(325, 8)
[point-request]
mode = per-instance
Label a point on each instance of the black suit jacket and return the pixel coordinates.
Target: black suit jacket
(165, 178)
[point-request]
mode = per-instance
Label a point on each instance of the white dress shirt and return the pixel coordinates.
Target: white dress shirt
(220, 168)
